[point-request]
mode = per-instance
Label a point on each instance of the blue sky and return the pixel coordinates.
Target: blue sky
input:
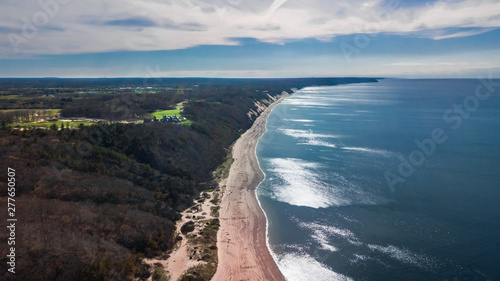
(236, 38)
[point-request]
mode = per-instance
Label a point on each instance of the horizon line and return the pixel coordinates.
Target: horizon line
(249, 78)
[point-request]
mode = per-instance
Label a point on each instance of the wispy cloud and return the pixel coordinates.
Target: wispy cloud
(462, 33)
(132, 22)
(188, 26)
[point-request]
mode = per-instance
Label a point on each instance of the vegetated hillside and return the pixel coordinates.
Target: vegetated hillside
(92, 202)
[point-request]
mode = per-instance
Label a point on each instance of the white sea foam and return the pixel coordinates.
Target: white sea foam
(357, 258)
(318, 143)
(368, 150)
(300, 120)
(321, 237)
(293, 247)
(321, 234)
(311, 100)
(328, 229)
(309, 134)
(308, 137)
(300, 186)
(300, 267)
(302, 102)
(404, 255)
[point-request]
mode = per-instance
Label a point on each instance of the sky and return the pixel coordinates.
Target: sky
(243, 38)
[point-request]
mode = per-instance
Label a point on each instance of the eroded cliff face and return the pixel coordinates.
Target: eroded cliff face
(261, 105)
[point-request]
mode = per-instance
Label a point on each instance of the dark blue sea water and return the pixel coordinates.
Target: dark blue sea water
(395, 180)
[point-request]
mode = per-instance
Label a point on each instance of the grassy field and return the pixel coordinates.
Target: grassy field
(49, 112)
(48, 124)
(172, 112)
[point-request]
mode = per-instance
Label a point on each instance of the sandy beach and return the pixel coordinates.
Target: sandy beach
(241, 240)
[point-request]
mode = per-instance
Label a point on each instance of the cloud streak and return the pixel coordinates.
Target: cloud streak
(132, 22)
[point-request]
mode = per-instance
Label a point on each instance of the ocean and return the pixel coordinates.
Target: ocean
(395, 180)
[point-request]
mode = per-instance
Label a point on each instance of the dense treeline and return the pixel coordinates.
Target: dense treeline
(32, 84)
(120, 106)
(78, 95)
(92, 202)
(34, 102)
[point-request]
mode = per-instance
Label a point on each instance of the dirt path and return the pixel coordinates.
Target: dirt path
(179, 260)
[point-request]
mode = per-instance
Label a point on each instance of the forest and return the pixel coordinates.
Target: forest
(93, 201)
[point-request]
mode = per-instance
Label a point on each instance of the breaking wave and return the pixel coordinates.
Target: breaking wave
(300, 267)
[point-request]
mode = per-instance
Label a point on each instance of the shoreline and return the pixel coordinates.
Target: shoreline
(243, 250)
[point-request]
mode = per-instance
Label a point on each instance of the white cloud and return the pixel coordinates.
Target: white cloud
(80, 26)
(462, 34)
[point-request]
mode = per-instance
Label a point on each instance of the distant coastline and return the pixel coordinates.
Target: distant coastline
(243, 248)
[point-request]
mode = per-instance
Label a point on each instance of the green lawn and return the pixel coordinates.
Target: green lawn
(48, 124)
(171, 112)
